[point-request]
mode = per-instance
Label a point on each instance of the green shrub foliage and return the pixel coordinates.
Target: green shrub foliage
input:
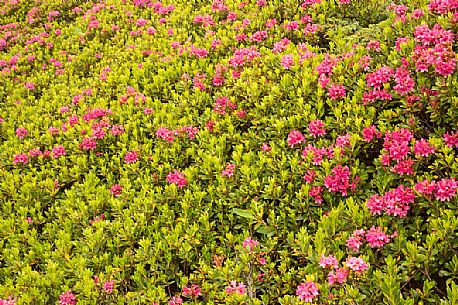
(228, 152)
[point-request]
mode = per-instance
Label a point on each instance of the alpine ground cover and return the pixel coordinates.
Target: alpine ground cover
(228, 152)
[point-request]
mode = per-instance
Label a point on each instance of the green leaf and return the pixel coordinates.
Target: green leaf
(243, 213)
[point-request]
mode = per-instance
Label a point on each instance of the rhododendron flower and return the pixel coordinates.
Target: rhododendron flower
(265, 147)
(451, 139)
(175, 301)
(337, 91)
(35, 152)
(116, 190)
(376, 237)
(356, 264)
(316, 128)
(108, 286)
(339, 275)
(88, 144)
(403, 167)
(229, 170)
(235, 287)
(295, 137)
(165, 134)
(131, 157)
(426, 187)
(58, 151)
(192, 291)
(249, 243)
(423, 148)
(446, 189)
(355, 241)
(177, 178)
(287, 61)
(307, 291)
(21, 132)
(328, 261)
(67, 298)
(20, 158)
(316, 193)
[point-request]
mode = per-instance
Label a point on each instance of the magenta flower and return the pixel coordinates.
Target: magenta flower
(339, 275)
(316, 128)
(177, 178)
(229, 170)
(175, 301)
(337, 91)
(20, 158)
(376, 237)
(307, 291)
(192, 291)
(356, 264)
(249, 243)
(328, 261)
(235, 287)
(58, 151)
(446, 189)
(67, 298)
(131, 157)
(295, 137)
(116, 190)
(88, 144)
(108, 286)
(21, 132)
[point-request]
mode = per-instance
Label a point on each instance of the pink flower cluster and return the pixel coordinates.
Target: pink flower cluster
(443, 190)
(131, 157)
(395, 202)
(9, 301)
(116, 190)
(175, 301)
(316, 128)
(307, 291)
(229, 170)
(250, 243)
(358, 265)
(235, 287)
(108, 286)
(339, 180)
(295, 137)
(177, 178)
(67, 298)
(192, 291)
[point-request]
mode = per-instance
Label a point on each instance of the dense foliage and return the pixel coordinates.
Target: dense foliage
(228, 152)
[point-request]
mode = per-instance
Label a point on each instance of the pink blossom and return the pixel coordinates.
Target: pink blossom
(369, 133)
(355, 241)
(316, 193)
(131, 157)
(338, 180)
(295, 137)
(451, 139)
(116, 190)
(58, 151)
(316, 128)
(192, 291)
(229, 170)
(265, 147)
(403, 167)
(287, 61)
(307, 291)
(249, 243)
(165, 134)
(376, 237)
(67, 298)
(337, 91)
(339, 275)
(21, 132)
(177, 178)
(446, 189)
(328, 261)
(235, 287)
(356, 264)
(108, 286)
(29, 85)
(423, 148)
(426, 187)
(88, 144)
(20, 158)
(35, 152)
(175, 301)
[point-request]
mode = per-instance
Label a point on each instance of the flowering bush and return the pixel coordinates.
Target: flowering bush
(228, 152)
